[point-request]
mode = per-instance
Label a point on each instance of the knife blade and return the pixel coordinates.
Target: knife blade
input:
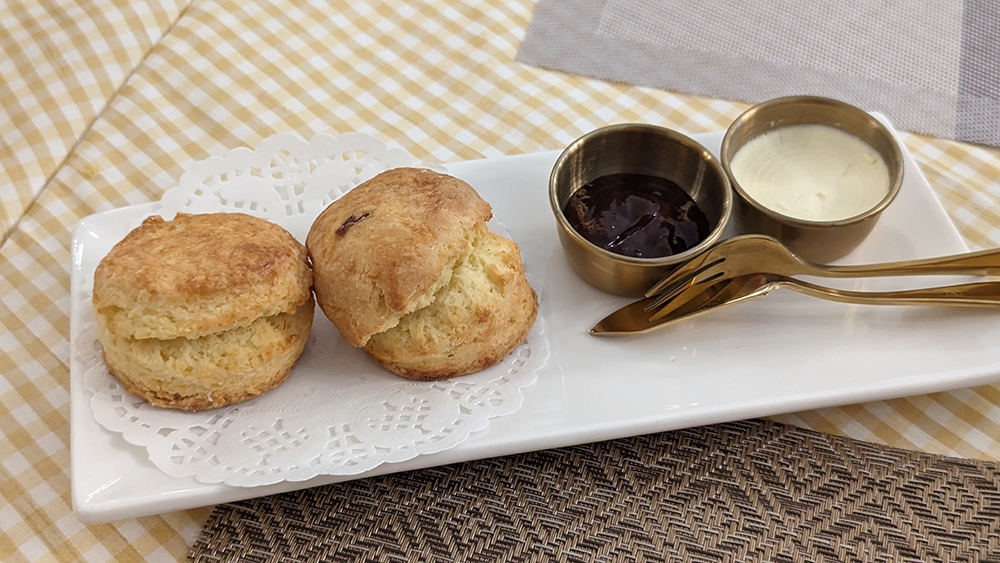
(635, 319)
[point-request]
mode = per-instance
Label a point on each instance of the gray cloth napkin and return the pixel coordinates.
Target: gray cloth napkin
(931, 66)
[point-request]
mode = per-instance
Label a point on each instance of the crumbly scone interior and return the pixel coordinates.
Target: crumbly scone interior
(185, 319)
(392, 318)
(469, 288)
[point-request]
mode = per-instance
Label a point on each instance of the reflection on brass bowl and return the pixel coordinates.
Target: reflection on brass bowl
(636, 149)
(816, 240)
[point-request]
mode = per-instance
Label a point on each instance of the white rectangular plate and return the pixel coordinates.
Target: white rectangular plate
(780, 354)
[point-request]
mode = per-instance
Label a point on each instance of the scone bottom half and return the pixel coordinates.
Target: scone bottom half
(205, 310)
(406, 268)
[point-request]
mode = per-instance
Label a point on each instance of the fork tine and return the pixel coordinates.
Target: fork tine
(680, 288)
(666, 296)
(691, 297)
(679, 275)
(682, 275)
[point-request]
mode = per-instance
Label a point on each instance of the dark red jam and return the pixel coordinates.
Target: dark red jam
(637, 215)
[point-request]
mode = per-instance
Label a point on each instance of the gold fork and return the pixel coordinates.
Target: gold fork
(748, 254)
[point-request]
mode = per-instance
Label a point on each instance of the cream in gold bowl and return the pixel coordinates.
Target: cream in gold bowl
(814, 173)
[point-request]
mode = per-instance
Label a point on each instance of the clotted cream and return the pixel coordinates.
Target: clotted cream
(811, 172)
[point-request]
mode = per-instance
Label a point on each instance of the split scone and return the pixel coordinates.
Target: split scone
(204, 310)
(406, 268)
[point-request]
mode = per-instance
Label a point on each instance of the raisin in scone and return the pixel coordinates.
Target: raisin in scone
(203, 310)
(406, 268)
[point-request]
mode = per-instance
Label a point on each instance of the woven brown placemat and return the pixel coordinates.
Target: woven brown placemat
(742, 491)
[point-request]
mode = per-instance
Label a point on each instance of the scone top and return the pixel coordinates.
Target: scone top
(199, 274)
(383, 249)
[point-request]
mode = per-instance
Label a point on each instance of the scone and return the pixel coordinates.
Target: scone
(405, 267)
(204, 310)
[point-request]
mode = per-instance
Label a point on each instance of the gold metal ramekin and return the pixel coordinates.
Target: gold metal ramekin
(639, 149)
(818, 241)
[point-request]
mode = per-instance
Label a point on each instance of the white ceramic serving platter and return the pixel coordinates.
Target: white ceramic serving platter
(779, 354)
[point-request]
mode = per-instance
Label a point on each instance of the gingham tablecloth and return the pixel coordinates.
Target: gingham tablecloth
(104, 102)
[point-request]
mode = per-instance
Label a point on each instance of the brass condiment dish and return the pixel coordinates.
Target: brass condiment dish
(640, 149)
(818, 241)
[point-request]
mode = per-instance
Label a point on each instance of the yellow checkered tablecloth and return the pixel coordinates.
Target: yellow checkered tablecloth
(104, 102)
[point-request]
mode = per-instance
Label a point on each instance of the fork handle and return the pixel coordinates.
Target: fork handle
(982, 262)
(978, 294)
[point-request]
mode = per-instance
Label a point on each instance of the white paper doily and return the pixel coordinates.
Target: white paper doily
(338, 413)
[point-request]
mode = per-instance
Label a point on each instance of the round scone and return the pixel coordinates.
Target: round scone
(405, 267)
(205, 310)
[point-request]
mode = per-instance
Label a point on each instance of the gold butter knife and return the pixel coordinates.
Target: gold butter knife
(635, 318)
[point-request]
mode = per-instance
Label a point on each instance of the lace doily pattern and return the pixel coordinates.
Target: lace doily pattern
(285, 179)
(338, 413)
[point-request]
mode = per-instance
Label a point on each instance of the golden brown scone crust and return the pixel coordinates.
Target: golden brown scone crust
(199, 274)
(383, 249)
(406, 268)
(204, 310)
